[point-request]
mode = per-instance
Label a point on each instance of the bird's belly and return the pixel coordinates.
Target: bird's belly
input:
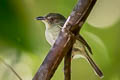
(49, 38)
(78, 50)
(51, 34)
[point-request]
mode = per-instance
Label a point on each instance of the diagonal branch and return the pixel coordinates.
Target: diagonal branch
(65, 40)
(10, 67)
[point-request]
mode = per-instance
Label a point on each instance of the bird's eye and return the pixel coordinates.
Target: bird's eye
(50, 18)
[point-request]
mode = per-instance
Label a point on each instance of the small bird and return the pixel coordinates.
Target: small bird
(54, 23)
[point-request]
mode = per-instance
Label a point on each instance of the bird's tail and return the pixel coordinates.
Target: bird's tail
(94, 66)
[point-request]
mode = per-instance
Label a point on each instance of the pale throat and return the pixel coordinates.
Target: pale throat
(47, 25)
(51, 32)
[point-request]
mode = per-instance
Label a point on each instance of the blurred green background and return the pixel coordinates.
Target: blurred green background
(23, 44)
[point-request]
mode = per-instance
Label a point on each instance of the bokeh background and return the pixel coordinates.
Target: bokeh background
(23, 44)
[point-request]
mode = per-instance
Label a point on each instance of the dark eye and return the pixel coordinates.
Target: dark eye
(50, 18)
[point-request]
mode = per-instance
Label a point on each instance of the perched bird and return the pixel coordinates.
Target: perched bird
(54, 23)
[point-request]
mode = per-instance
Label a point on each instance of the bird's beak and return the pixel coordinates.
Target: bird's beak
(40, 18)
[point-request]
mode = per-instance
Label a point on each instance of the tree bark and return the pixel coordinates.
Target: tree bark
(67, 66)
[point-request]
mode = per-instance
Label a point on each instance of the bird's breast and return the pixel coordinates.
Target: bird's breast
(52, 34)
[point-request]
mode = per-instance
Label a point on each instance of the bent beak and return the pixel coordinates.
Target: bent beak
(40, 18)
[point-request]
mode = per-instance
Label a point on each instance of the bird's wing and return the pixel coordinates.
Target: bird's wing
(82, 40)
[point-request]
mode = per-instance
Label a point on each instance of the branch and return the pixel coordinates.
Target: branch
(67, 66)
(65, 40)
(54, 57)
(10, 67)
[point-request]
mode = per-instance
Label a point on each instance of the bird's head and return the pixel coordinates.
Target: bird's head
(52, 19)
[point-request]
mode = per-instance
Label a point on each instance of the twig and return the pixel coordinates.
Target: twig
(10, 67)
(54, 57)
(67, 66)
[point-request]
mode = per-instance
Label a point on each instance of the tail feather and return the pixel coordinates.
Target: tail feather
(94, 66)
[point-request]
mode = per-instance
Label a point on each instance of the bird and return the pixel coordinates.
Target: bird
(54, 23)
